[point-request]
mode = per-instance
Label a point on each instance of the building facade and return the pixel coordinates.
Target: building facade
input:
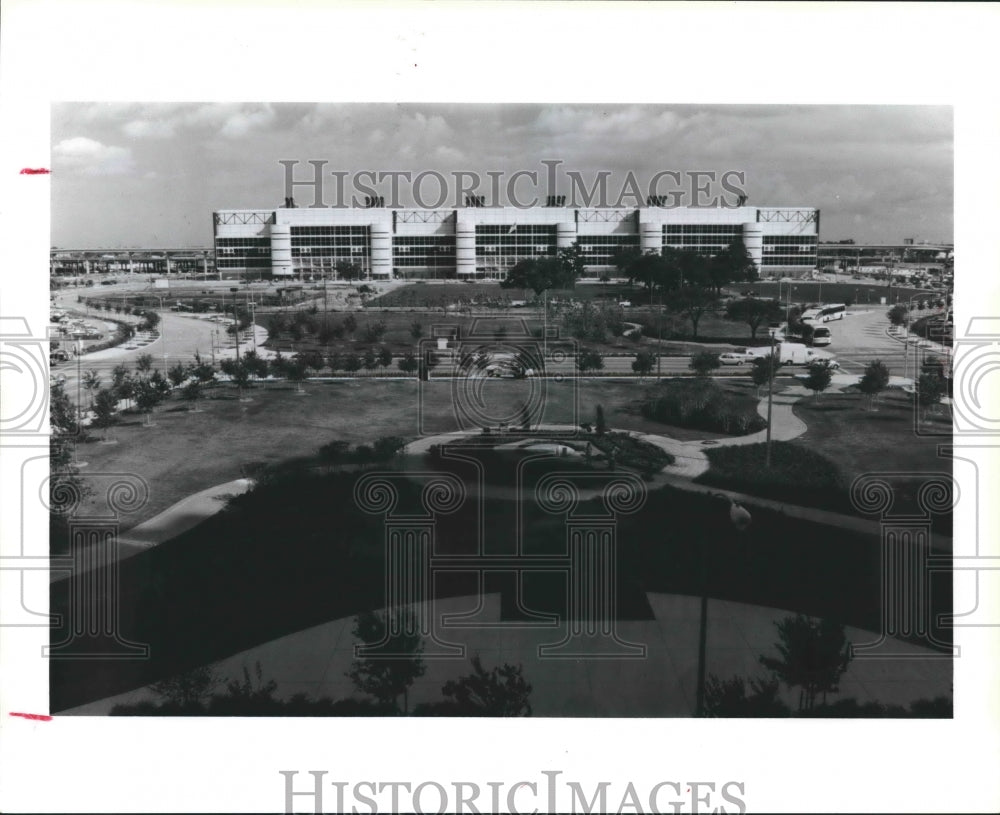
(485, 242)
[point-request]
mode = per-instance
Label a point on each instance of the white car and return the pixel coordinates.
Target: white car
(730, 358)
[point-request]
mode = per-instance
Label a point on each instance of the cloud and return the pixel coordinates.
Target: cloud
(244, 122)
(149, 128)
(90, 157)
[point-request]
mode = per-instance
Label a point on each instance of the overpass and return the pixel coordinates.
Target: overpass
(145, 260)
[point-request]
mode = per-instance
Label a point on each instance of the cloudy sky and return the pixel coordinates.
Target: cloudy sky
(130, 175)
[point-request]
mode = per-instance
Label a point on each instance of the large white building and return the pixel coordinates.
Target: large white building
(485, 242)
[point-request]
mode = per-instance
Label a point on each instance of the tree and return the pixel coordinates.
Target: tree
(191, 688)
(191, 394)
(729, 698)
(653, 270)
(600, 423)
(588, 360)
(416, 329)
(643, 363)
(255, 364)
(150, 320)
(298, 371)
(92, 382)
(147, 397)
(385, 448)
(730, 265)
(814, 655)
(105, 408)
(369, 360)
(346, 270)
(819, 376)
(408, 363)
(692, 302)
(931, 387)
(541, 274)
(384, 357)
(177, 375)
(499, 692)
(202, 371)
(238, 372)
(375, 331)
(704, 362)
(350, 324)
(352, 363)
(763, 371)
(144, 363)
(64, 426)
(122, 383)
(874, 381)
(897, 314)
(753, 311)
(389, 677)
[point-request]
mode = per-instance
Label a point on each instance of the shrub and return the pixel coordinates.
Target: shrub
(702, 405)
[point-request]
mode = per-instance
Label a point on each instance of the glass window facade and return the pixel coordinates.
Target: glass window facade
(424, 255)
(601, 250)
(706, 239)
(789, 250)
(243, 253)
(321, 248)
(498, 248)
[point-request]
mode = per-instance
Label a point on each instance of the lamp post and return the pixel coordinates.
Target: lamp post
(699, 703)
(906, 340)
(770, 392)
(659, 336)
(79, 405)
(163, 332)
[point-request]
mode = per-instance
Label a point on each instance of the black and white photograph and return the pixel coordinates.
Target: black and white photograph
(407, 417)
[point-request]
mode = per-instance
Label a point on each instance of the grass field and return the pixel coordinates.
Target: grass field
(439, 295)
(843, 441)
(187, 452)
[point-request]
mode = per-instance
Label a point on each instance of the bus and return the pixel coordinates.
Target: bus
(825, 313)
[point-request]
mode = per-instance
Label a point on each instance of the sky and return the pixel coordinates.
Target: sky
(150, 175)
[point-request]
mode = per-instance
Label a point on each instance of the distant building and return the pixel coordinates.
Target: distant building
(476, 242)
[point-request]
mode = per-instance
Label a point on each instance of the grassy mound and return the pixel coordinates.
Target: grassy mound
(701, 404)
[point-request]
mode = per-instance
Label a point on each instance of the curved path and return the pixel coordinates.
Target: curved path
(690, 462)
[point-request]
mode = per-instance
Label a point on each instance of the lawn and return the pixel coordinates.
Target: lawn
(843, 441)
(438, 295)
(187, 452)
(298, 552)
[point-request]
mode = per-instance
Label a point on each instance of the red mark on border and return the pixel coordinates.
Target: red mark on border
(35, 171)
(35, 717)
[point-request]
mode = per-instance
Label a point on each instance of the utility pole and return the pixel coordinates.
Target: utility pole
(659, 337)
(770, 393)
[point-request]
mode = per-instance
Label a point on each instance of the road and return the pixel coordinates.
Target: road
(857, 339)
(181, 337)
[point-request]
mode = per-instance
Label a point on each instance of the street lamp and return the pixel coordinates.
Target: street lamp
(79, 405)
(741, 519)
(770, 392)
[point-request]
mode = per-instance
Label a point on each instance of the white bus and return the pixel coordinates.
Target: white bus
(825, 313)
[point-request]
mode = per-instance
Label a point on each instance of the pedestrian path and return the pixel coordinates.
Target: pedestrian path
(664, 682)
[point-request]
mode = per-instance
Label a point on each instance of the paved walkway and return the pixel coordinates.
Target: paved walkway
(661, 683)
(184, 515)
(690, 460)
